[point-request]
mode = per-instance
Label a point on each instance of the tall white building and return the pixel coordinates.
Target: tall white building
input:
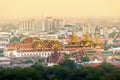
(48, 24)
(40, 25)
(53, 24)
(26, 25)
(88, 28)
(105, 31)
(58, 23)
(61, 23)
(85, 28)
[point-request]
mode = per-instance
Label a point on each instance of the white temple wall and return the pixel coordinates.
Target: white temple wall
(28, 54)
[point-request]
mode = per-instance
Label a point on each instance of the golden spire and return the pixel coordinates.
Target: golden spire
(86, 42)
(97, 42)
(55, 45)
(87, 30)
(73, 38)
(86, 36)
(39, 45)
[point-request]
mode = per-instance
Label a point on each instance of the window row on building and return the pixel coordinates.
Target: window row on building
(42, 54)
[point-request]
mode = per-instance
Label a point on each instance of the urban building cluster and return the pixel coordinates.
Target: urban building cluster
(53, 38)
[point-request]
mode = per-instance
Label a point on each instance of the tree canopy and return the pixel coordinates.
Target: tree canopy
(67, 63)
(14, 39)
(63, 71)
(85, 59)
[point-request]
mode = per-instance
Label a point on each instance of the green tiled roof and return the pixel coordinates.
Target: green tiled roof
(106, 52)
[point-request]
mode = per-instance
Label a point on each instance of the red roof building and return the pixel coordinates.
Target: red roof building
(32, 47)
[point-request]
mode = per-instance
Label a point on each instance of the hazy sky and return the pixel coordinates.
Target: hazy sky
(13, 9)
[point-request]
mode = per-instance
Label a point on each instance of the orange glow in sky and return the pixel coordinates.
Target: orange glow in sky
(12, 9)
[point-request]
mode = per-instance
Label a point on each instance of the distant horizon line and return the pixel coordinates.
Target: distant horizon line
(60, 18)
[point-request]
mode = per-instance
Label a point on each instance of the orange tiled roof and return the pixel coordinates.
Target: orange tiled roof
(10, 45)
(25, 46)
(28, 43)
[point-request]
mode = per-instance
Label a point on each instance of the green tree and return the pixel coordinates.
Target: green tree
(67, 63)
(14, 39)
(111, 35)
(66, 56)
(40, 61)
(28, 61)
(1, 52)
(107, 67)
(85, 59)
(90, 77)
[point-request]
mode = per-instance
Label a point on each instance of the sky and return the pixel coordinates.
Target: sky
(15, 9)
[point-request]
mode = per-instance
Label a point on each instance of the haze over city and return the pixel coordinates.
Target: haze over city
(16, 9)
(59, 39)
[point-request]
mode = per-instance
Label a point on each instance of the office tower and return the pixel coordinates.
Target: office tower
(58, 23)
(26, 25)
(48, 24)
(40, 25)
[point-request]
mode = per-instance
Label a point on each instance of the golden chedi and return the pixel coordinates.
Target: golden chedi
(97, 43)
(86, 42)
(73, 39)
(37, 44)
(56, 45)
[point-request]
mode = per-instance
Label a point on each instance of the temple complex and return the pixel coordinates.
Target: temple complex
(84, 47)
(97, 43)
(75, 49)
(54, 58)
(32, 46)
(74, 40)
(52, 49)
(86, 41)
(93, 48)
(74, 44)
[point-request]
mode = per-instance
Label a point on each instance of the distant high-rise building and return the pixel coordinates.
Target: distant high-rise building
(26, 25)
(43, 25)
(88, 28)
(40, 25)
(61, 23)
(48, 24)
(85, 28)
(53, 24)
(58, 23)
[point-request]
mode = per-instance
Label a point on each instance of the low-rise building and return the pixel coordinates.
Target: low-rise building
(4, 61)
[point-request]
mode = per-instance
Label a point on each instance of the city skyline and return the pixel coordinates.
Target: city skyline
(17, 9)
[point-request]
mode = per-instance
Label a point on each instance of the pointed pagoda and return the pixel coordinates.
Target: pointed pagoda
(86, 41)
(74, 44)
(97, 43)
(73, 39)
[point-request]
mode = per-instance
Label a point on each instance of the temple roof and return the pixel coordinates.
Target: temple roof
(25, 46)
(36, 43)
